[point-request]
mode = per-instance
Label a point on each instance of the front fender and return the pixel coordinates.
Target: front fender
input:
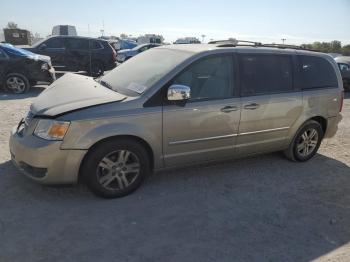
(82, 135)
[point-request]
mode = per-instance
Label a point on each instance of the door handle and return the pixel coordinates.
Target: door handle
(228, 109)
(252, 106)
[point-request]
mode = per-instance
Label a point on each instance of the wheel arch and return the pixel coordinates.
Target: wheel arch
(116, 137)
(17, 70)
(321, 120)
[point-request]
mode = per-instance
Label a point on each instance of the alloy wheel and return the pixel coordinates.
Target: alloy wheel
(118, 170)
(16, 84)
(307, 142)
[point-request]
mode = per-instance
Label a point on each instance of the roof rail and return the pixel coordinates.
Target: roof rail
(234, 42)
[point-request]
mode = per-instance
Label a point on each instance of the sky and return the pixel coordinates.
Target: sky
(298, 21)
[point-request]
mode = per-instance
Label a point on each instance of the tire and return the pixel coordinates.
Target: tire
(104, 170)
(17, 83)
(97, 69)
(306, 142)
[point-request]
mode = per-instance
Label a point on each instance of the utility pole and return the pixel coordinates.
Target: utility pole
(283, 40)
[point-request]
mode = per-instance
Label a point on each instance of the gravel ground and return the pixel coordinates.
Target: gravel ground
(255, 209)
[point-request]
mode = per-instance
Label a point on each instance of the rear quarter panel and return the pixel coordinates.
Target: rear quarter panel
(322, 102)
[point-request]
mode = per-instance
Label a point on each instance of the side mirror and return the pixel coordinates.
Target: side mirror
(42, 47)
(179, 93)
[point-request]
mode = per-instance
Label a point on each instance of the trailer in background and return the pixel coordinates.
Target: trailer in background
(17, 36)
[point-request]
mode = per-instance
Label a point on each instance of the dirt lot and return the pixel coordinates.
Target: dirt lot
(257, 209)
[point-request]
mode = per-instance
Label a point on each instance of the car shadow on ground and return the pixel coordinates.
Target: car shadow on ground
(262, 208)
(33, 92)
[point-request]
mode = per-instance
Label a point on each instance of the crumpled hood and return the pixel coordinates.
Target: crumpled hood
(72, 92)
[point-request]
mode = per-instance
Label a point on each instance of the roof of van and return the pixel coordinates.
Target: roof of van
(197, 48)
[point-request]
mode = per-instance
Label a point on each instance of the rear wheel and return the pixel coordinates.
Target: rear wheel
(115, 168)
(96, 69)
(17, 83)
(306, 143)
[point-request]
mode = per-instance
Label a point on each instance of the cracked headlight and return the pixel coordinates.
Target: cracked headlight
(45, 66)
(49, 129)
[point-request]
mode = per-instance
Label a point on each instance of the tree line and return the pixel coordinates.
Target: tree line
(329, 47)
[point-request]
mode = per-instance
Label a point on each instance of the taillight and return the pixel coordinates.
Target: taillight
(341, 101)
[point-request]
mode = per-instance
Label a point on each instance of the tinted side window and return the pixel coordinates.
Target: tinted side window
(95, 45)
(317, 72)
(73, 43)
(209, 78)
(55, 43)
(344, 67)
(266, 74)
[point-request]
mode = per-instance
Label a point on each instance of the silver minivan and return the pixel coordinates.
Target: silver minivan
(178, 105)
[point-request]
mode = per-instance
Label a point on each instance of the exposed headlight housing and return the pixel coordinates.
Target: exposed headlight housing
(121, 58)
(49, 129)
(45, 66)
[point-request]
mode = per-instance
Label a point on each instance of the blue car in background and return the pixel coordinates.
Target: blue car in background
(20, 69)
(126, 54)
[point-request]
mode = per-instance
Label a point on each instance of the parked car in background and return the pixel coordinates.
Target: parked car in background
(187, 40)
(75, 53)
(126, 54)
(178, 105)
(123, 44)
(344, 66)
(150, 39)
(21, 69)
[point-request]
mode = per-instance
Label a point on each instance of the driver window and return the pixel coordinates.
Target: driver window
(55, 43)
(209, 78)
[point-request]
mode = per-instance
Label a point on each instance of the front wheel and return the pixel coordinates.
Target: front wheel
(115, 168)
(306, 142)
(17, 83)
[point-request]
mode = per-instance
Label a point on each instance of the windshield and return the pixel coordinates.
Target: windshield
(39, 42)
(10, 49)
(144, 70)
(137, 47)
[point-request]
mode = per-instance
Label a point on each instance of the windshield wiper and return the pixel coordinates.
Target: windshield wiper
(105, 84)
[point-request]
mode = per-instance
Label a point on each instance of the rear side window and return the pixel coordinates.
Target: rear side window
(73, 43)
(317, 72)
(55, 43)
(95, 45)
(209, 78)
(265, 74)
(344, 67)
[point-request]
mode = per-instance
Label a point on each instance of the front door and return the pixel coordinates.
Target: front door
(206, 126)
(55, 48)
(270, 104)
